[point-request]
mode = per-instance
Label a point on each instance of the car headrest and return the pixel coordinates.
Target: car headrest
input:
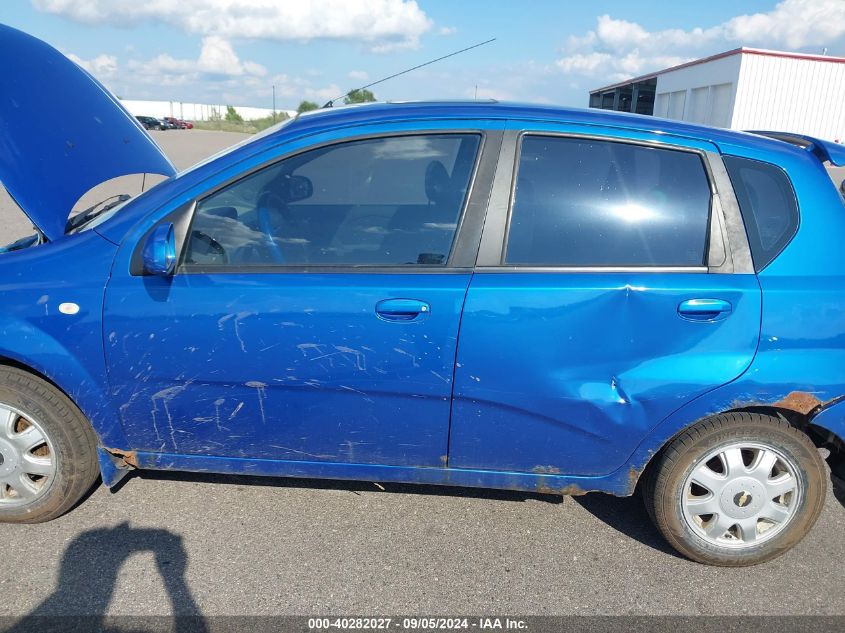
(437, 182)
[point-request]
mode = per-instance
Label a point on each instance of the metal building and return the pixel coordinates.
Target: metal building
(743, 89)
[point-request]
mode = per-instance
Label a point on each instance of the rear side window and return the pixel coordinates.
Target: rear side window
(583, 202)
(767, 202)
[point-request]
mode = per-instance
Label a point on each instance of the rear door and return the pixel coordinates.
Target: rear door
(607, 295)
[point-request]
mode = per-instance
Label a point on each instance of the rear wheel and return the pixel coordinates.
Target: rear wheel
(47, 450)
(738, 489)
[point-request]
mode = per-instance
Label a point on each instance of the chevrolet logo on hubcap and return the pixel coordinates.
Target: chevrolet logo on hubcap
(742, 499)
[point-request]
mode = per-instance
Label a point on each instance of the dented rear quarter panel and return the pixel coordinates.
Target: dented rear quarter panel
(800, 360)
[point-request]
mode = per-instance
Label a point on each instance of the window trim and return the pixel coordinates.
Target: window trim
(474, 202)
(519, 141)
(734, 236)
(726, 227)
(530, 268)
(772, 256)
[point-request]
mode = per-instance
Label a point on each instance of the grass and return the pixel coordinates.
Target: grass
(245, 127)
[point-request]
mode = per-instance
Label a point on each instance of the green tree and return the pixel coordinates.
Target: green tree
(359, 96)
(307, 106)
(232, 115)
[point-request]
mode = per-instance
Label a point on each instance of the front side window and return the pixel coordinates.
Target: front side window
(391, 201)
(584, 202)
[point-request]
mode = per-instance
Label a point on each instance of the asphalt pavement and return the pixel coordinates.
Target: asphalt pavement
(221, 545)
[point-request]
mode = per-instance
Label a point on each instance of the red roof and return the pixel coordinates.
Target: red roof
(737, 51)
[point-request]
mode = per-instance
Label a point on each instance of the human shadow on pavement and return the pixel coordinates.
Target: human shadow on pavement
(88, 578)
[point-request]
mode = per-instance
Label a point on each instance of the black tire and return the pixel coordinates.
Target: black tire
(71, 443)
(665, 489)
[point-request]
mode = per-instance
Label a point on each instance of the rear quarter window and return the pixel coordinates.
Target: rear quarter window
(768, 206)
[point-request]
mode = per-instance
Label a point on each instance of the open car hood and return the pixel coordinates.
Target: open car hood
(62, 133)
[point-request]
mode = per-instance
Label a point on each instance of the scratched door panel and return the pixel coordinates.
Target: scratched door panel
(285, 366)
(567, 372)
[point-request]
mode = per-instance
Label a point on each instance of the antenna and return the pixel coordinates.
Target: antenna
(330, 102)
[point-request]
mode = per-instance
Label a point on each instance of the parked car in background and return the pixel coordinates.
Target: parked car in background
(151, 123)
(467, 294)
(179, 124)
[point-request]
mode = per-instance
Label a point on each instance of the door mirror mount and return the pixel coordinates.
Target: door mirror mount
(160, 251)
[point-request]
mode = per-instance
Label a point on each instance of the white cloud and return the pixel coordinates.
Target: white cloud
(792, 23)
(614, 66)
(102, 66)
(359, 75)
(447, 30)
(384, 24)
(216, 58)
(216, 74)
(293, 89)
(618, 49)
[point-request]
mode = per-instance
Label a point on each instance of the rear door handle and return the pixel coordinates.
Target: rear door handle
(704, 309)
(401, 309)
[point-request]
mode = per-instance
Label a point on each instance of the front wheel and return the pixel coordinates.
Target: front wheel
(737, 489)
(48, 455)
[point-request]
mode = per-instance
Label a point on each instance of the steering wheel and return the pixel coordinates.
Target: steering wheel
(266, 201)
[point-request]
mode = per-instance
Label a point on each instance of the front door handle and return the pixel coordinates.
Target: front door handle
(401, 309)
(704, 309)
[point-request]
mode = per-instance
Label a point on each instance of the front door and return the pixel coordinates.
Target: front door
(314, 315)
(603, 313)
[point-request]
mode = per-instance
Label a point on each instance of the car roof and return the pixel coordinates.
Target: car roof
(491, 109)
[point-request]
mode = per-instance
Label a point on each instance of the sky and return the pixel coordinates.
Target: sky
(548, 51)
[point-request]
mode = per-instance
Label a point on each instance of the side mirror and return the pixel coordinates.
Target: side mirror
(842, 188)
(160, 251)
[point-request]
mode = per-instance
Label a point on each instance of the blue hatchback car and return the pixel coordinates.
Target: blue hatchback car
(471, 294)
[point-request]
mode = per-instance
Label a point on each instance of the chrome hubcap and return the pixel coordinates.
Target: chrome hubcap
(741, 494)
(27, 459)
